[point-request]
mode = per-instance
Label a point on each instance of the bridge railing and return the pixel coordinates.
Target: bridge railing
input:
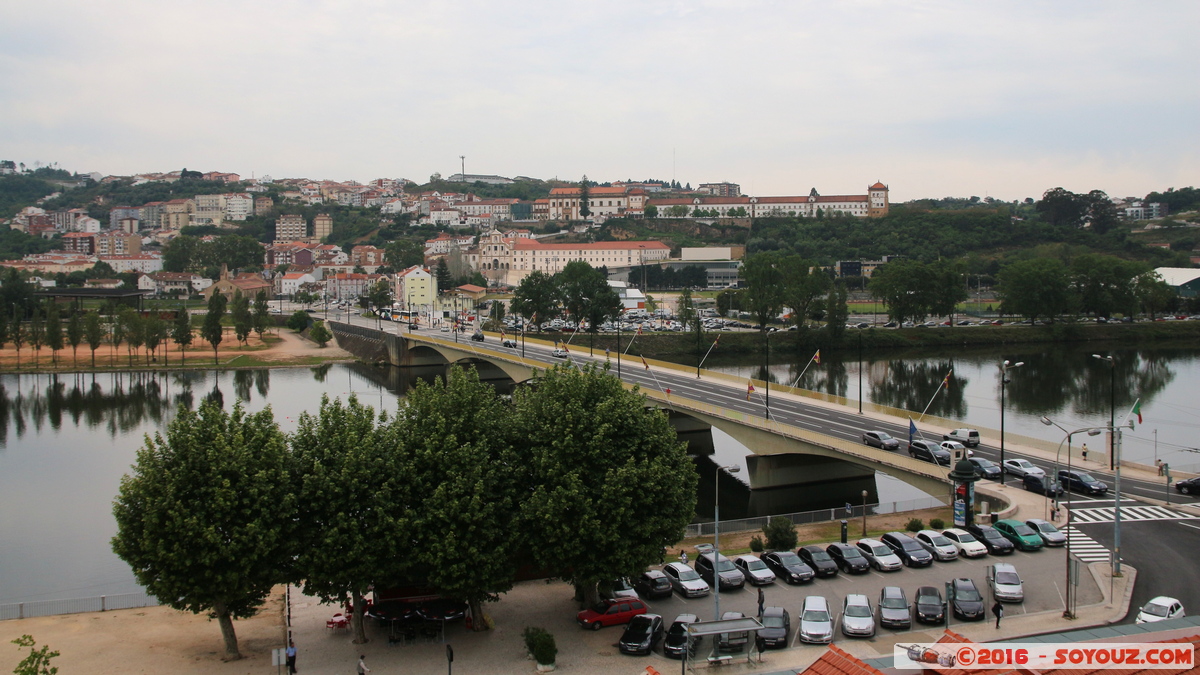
(98, 603)
(818, 516)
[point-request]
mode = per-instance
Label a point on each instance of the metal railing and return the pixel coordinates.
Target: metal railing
(819, 516)
(99, 603)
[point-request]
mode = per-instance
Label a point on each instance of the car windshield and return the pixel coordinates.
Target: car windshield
(816, 615)
(639, 625)
(849, 553)
(678, 628)
(967, 594)
(983, 463)
(993, 534)
(788, 559)
(820, 556)
(858, 611)
(1008, 578)
(1154, 610)
(893, 603)
(912, 545)
(725, 566)
(755, 564)
(929, 599)
(773, 622)
(600, 608)
(1085, 477)
(880, 549)
(1024, 530)
(939, 540)
(688, 574)
(884, 437)
(966, 538)
(1047, 527)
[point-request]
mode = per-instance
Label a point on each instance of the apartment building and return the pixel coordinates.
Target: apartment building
(117, 242)
(291, 228)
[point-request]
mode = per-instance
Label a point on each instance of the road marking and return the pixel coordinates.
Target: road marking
(1085, 548)
(1194, 527)
(1128, 513)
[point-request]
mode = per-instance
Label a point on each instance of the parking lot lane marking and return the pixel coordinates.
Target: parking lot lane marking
(1060, 595)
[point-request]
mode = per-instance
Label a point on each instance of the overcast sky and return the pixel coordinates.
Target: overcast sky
(934, 98)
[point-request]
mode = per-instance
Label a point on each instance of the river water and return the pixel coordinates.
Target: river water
(66, 441)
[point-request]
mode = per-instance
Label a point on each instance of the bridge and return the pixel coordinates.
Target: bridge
(801, 441)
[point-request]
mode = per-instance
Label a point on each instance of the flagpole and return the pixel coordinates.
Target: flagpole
(945, 383)
(810, 362)
(712, 347)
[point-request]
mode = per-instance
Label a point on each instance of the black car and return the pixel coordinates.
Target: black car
(1042, 485)
(848, 558)
(641, 635)
(908, 549)
(929, 451)
(816, 558)
(653, 584)
(776, 626)
(985, 468)
(735, 641)
(967, 602)
(880, 439)
(929, 605)
(894, 611)
(1189, 486)
(677, 641)
(788, 566)
(477, 336)
(1081, 481)
(996, 543)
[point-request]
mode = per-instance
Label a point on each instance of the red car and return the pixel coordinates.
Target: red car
(611, 612)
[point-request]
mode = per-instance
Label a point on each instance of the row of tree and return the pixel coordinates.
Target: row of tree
(457, 491)
(579, 290)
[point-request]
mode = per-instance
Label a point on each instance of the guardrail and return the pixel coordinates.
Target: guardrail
(99, 603)
(818, 516)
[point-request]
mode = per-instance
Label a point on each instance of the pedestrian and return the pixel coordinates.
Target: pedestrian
(291, 657)
(683, 556)
(606, 352)
(362, 665)
(1054, 511)
(761, 601)
(1159, 464)
(997, 611)
(1085, 452)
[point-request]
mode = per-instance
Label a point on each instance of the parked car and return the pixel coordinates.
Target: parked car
(1042, 485)
(1081, 481)
(776, 626)
(967, 602)
(678, 643)
(820, 561)
(858, 619)
(1189, 486)
(880, 439)
(985, 468)
(848, 558)
(789, 567)
(966, 543)
(894, 611)
(1051, 535)
(735, 641)
(754, 570)
(879, 555)
(653, 584)
(929, 606)
(1021, 535)
(1005, 583)
(713, 567)
(907, 548)
(941, 548)
(996, 543)
(816, 624)
(928, 451)
(686, 581)
(1160, 609)
(610, 612)
(618, 588)
(968, 437)
(641, 635)
(1021, 468)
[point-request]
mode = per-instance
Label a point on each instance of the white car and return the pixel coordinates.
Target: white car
(1160, 609)
(559, 353)
(1005, 583)
(858, 618)
(1021, 468)
(966, 543)
(957, 450)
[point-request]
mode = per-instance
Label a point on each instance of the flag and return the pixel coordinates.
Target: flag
(749, 389)
(502, 335)
(817, 357)
(912, 430)
(1137, 410)
(564, 347)
(644, 362)
(668, 391)
(716, 341)
(639, 330)
(946, 382)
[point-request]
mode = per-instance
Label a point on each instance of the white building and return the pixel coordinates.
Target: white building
(504, 260)
(140, 262)
(290, 282)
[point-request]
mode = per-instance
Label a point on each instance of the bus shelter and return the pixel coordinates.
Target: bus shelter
(748, 627)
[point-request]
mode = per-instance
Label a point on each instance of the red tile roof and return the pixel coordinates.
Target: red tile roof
(534, 245)
(837, 662)
(594, 192)
(878, 186)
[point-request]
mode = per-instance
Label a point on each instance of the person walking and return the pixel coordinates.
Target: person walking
(762, 598)
(362, 665)
(1085, 452)
(683, 556)
(997, 611)
(291, 657)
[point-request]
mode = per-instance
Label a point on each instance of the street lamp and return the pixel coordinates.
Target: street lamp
(732, 468)
(1114, 462)
(1004, 368)
(1068, 612)
(864, 496)
(1112, 405)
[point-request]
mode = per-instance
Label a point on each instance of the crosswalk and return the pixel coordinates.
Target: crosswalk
(1128, 513)
(1085, 548)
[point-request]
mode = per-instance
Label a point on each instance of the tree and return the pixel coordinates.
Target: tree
(37, 661)
(464, 529)
(116, 333)
(355, 489)
(380, 295)
(262, 314)
(404, 253)
(1062, 207)
(207, 518)
(444, 280)
(37, 335)
(781, 533)
(155, 333)
(243, 320)
(585, 198)
(1105, 284)
(651, 211)
(837, 312)
(74, 335)
(211, 330)
(586, 295)
(1035, 287)
(298, 321)
(906, 286)
(1153, 293)
(764, 276)
(19, 336)
(54, 330)
(93, 332)
(135, 330)
(320, 334)
(537, 295)
(609, 484)
(804, 284)
(181, 332)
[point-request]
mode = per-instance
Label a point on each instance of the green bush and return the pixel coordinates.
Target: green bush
(298, 321)
(756, 544)
(936, 524)
(915, 525)
(781, 534)
(320, 334)
(540, 644)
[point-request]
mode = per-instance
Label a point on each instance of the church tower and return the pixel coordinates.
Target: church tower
(877, 200)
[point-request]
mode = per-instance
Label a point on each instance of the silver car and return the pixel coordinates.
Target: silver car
(879, 555)
(686, 581)
(940, 547)
(1021, 468)
(1051, 535)
(858, 618)
(816, 624)
(1005, 583)
(755, 570)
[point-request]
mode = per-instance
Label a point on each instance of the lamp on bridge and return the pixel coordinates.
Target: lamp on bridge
(1004, 368)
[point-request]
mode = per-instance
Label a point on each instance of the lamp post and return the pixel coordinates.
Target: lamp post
(732, 468)
(860, 391)
(1004, 368)
(1069, 610)
(619, 312)
(1114, 462)
(1112, 407)
(864, 496)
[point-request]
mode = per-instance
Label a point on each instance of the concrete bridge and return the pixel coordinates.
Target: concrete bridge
(804, 442)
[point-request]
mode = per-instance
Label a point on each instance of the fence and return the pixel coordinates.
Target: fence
(100, 603)
(821, 516)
